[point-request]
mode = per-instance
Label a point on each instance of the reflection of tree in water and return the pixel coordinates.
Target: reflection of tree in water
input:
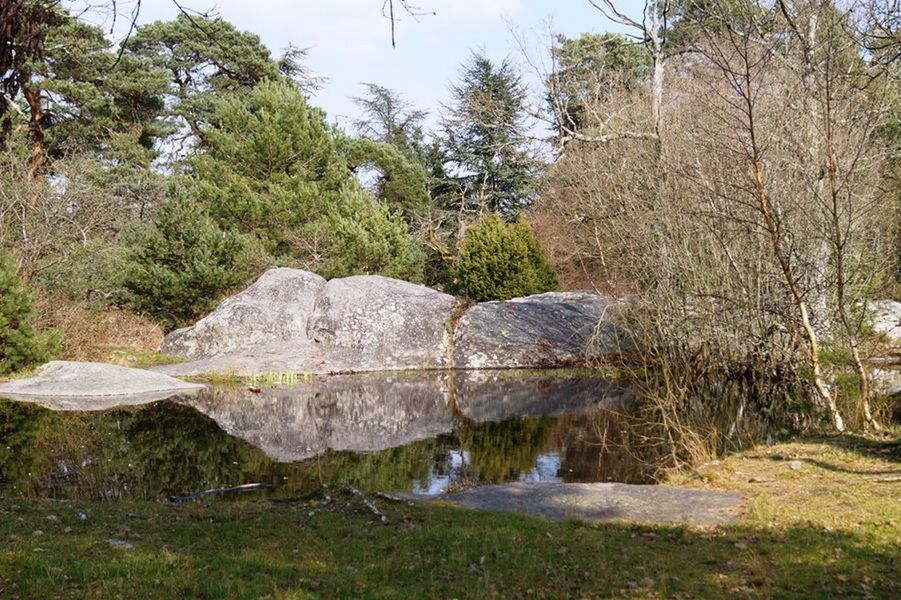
(392, 469)
(502, 451)
(20, 427)
(597, 447)
(167, 449)
(173, 449)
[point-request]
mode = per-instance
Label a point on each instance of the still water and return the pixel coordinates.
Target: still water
(425, 433)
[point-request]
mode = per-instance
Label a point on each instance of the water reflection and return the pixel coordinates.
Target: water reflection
(426, 432)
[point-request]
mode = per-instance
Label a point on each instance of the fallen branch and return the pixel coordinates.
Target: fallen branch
(367, 502)
(247, 487)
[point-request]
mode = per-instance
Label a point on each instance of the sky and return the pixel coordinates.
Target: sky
(349, 40)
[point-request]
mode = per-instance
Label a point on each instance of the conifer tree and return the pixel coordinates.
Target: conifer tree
(20, 345)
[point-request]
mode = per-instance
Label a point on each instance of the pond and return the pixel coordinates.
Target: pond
(425, 433)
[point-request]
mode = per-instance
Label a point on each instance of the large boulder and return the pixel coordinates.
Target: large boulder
(274, 309)
(64, 385)
(369, 322)
(546, 330)
(886, 319)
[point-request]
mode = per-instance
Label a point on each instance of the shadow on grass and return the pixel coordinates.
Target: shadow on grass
(256, 551)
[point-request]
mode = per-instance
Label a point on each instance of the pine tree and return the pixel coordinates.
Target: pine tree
(179, 270)
(20, 345)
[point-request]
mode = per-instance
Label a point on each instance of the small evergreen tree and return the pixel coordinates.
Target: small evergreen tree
(179, 270)
(499, 261)
(20, 345)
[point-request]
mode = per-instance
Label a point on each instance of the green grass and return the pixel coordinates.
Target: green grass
(830, 529)
(141, 359)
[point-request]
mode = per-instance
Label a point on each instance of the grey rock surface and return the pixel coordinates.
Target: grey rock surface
(292, 320)
(546, 330)
(886, 381)
(365, 412)
(65, 385)
(498, 395)
(886, 319)
(381, 323)
(274, 309)
(604, 502)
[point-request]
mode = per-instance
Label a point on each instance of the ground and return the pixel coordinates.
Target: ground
(822, 519)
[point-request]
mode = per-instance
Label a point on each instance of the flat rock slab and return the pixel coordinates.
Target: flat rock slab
(604, 502)
(66, 385)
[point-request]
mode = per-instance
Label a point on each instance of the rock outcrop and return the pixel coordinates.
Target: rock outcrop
(370, 322)
(292, 320)
(64, 385)
(546, 330)
(274, 309)
(886, 319)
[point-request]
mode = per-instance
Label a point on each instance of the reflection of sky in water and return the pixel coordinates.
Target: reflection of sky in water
(451, 473)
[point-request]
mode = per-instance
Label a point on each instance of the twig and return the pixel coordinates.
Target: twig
(247, 487)
(367, 502)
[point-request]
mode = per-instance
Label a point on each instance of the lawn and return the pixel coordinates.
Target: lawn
(822, 519)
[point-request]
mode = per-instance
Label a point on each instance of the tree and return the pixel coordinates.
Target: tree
(20, 345)
(272, 168)
(402, 183)
(78, 94)
(390, 119)
(178, 270)
(23, 24)
(205, 58)
(499, 261)
(587, 71)
(486, 160)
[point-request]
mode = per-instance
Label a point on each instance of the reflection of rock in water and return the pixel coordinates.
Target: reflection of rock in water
(344, 412)
(499, 395)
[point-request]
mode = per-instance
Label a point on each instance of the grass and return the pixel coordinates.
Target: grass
(830, 528)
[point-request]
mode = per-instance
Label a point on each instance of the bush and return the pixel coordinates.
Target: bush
(499, 261)
(20, 345)
(178, 271)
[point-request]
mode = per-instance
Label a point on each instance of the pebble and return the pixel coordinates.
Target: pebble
(120, 544)
(795, 465)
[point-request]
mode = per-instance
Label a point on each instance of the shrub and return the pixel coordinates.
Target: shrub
(20, 345)
(178, 270)
(499, 261)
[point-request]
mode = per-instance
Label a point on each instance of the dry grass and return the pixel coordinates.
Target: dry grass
(97, 333)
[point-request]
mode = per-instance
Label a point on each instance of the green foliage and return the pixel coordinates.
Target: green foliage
(272, 168)
(84, 98)
(502, 451)
(590, 68)
(207, 58)
(485, 160)
(402, 183)
(178, 270)
(20, 345)
(499, 261)
(366, 238)
(390, 119)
